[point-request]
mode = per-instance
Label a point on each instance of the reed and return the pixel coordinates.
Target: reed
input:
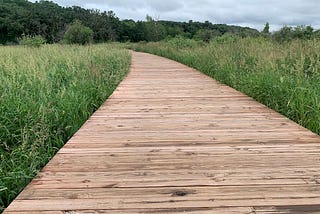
(46, 94)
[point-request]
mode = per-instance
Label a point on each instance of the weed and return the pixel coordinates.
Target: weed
(46, 94)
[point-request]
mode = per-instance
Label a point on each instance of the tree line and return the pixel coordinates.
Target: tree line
(47, 19)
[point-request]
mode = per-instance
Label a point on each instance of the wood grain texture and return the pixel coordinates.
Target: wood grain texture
(172, 140)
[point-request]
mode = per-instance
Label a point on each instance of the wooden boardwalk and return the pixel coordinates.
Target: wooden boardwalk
(171, 140)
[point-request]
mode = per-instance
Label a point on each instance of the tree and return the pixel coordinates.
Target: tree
(77, 33)
(128, 31)
(50, 21)
(206, 35)
(32, 41)
(266, 30)
(155, 31)
(303, 32)
(290, 33)
(316, 34)
(284, 34)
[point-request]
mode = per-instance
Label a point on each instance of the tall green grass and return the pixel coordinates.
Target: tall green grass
(283, 76)
(46, 94)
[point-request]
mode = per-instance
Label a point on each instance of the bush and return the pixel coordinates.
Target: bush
(206, 35)
(32, 41)
(77, 33)
(226, 39)
(287, 34)
(181, 42)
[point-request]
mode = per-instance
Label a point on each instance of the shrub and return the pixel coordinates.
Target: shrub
(206, 35)
(226, 39)
(32, 41)
(286, 33)
(77, 33)
(181, 42)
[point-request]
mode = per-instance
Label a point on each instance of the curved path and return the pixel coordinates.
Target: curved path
(171, 140)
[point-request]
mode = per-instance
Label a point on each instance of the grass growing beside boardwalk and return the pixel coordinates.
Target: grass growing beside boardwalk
(46, 94)
(285, 77)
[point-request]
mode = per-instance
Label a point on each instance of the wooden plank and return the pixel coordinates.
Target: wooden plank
(218, 193)
(171, 178)
(172, 140)
(155, 203)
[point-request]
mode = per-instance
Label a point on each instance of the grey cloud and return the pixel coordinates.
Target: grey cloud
(161, 7)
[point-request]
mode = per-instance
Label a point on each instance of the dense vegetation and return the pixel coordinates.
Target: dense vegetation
(284, 76)
(49, 20)
(77, 33)
(20, 18)
(46, 94)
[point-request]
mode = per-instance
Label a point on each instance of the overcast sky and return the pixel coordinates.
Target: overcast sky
(251, 13)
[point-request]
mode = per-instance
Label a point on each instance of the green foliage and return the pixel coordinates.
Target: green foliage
(155, 31)
(303, 32)
(181, 42)
(226, 38)
(32, 41)
(284, 76)
(316, 34)
(46, 94)
(149, 18)
(286, 33)
(206, 35)
(48, 19)
(266, 30)
(77, 33)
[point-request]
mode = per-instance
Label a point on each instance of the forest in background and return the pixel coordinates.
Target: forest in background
(49, 20)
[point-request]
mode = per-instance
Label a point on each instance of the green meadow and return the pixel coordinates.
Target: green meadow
(46, 94)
